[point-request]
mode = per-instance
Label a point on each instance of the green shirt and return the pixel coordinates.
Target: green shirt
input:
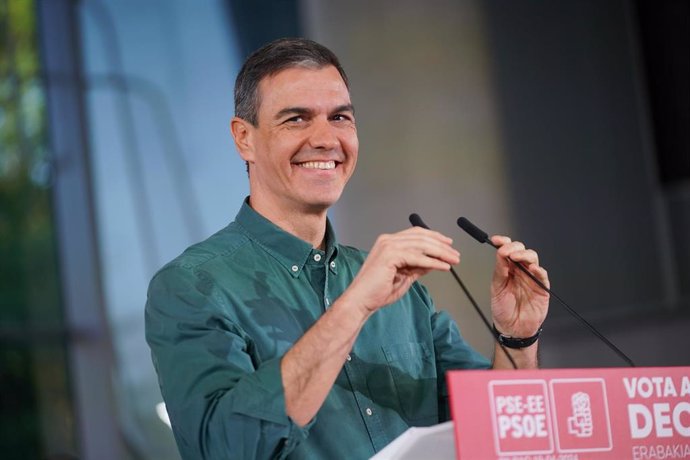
(221, 315)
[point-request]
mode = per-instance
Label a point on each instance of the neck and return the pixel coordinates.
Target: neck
(307, 225)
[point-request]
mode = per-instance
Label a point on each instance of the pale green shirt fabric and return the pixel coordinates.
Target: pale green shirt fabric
(221, 315)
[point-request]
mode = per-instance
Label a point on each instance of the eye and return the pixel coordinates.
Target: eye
(341, 117)
(295, 119)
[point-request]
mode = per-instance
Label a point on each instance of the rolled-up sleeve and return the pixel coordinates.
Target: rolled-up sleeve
(223, 402)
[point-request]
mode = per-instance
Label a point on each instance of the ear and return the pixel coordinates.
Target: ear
(243, 133)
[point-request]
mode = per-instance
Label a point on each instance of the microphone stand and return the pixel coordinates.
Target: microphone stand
(417, 221)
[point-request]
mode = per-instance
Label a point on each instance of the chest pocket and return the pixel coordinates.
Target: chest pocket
(413, 371)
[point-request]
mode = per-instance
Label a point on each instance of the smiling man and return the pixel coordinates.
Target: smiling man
(273, 340)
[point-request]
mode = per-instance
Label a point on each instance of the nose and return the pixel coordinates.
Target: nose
(323, 136)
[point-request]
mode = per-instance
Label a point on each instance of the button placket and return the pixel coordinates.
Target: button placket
(326, 296)
(360, 391)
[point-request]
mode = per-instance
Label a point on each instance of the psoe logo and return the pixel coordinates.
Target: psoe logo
(581, 415)
(580, 422)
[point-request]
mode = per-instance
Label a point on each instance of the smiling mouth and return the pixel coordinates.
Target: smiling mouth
(318, 165)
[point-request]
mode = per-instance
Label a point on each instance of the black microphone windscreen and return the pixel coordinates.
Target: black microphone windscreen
(474, 231)
(417, 221)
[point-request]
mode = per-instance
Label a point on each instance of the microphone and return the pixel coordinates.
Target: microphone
(417, 221)
(474, 231)
(481, 236)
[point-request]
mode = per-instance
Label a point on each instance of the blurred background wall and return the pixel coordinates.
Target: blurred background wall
(563, 124)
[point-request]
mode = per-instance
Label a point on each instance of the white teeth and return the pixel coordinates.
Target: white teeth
(318, 164)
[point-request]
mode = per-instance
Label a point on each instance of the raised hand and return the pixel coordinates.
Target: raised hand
(518, 305)
(398, 260)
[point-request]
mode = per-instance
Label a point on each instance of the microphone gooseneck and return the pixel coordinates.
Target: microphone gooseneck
(481, 236)
(417, 221)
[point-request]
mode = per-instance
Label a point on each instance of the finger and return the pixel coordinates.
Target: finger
(427, 245)
(503, 264)
(509, 248)
(541, 274)
(414, 271)
(500, 240)
(399, 248)
(420, 261)
(526, 256)
(414, 236)
(428, 233)
(446, 254)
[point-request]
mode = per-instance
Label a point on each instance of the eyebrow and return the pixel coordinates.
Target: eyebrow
(306, 111)
(291, 111)
(345, 108)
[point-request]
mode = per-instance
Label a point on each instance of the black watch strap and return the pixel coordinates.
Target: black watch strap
(515, 342)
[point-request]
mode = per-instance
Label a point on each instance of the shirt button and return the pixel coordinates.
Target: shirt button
(349, 358)
(369, 411)
(332, 264)
(295, 268)
(317, 257)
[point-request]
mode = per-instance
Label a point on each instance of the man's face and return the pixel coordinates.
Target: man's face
(305, 146)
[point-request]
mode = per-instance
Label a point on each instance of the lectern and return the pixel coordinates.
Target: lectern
(559, 414)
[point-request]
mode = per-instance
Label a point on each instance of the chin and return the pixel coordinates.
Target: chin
(319, 207)
(321, 203)
(318, 197)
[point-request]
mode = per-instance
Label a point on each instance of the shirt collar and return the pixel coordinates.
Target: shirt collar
(291, 252)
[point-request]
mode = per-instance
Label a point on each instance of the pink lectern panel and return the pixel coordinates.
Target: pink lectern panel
(559, 414)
